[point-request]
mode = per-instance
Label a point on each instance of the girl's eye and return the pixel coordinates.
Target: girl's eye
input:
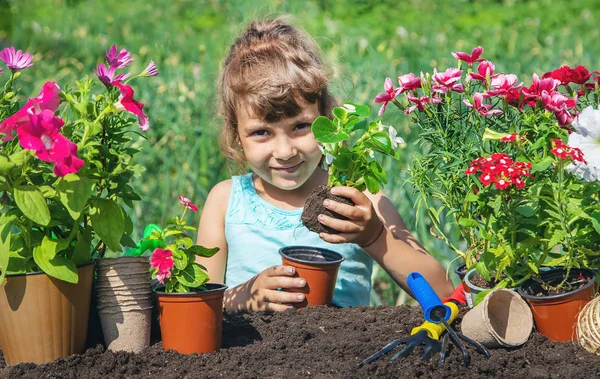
(303, 126)
(259, 133)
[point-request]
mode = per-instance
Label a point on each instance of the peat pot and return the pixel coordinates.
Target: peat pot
(191, 322)
(556, 316)
(319, 267)
(44, 318)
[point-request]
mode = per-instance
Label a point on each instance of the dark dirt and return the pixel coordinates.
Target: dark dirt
(313, 207)
(318, 342)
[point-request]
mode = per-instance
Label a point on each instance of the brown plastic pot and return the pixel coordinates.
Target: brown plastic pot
(319, 267)
(43, 318)
(556, 316)
(191, 322)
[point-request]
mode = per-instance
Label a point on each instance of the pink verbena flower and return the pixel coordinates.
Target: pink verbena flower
(420, 103)
(47, 99)
(409, 82)
(162, 261)
(482, 109)
(150, 70)
(128, 103)
(188, 203)
(16, 61)
(389, 95)
(118, 60)
(42, 135)
(502, 85)
(107, 76)
(470, 59)
(447, 80)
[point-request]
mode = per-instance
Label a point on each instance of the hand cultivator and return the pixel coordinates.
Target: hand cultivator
(439, 316)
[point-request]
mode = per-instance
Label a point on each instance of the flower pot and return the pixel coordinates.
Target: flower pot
(471, 290)
(319, 267)
(461, 271)
(502, 319)
(43, 318)
(191, 322)
(556, 316)
(125, 305)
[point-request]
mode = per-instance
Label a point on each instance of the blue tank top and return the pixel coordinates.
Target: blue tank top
(255, 231)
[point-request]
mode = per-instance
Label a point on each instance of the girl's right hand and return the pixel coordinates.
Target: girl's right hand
(267, 291)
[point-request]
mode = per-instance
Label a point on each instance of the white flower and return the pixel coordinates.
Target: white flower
(371, 153)
(329, 158)
(587, 138)
(350, 108)
(395, 140)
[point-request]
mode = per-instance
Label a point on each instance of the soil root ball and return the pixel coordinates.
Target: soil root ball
(313, 207)
(588, 326)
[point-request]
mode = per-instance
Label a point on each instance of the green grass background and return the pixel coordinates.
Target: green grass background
(363, 42)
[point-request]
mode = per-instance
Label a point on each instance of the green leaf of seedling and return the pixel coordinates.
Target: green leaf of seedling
(186, 241)
(340, 113)
(467, 222)
(480, 296)
(108, 222)
(378, 171)
(372, 183)
(471, 198)
(192, 276)
(344, 159)
(490, 135)
(21, 157)
(83, 247)
(126, 240)
(74, 192)
(5, 164)
(380, 142)
(482, 269)
(361, 110)
(542, 165)
(203, 251)
(327, 132)
(526, 210)
(55, 265)
(180, 259)
(595, 217)
(4, 249)
(32, 203)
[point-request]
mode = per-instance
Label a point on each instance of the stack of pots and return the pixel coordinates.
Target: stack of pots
(124, 302)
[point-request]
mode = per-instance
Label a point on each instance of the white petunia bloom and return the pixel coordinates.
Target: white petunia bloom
(587, 138)
(350, 108)
(395, 140)
(329, 158)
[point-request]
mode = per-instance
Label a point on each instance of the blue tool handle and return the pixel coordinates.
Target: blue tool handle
(427, 298)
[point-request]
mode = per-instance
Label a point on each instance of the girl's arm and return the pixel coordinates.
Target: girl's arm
(394, 249)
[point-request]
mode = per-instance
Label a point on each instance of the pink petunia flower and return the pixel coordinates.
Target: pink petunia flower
(150, 70)
(47, 99)
(188, 203)
(162, 261)
(409, 82)
(16, 61)
(389, 95)
(42, 135)
(482, 109)
(447, 80)
(118, 60)
(470, 59)
(128, 103)
(107, 76)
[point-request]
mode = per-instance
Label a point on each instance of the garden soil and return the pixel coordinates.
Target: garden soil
(320, 342)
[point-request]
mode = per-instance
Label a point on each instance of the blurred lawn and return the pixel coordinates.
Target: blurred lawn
(362, 41)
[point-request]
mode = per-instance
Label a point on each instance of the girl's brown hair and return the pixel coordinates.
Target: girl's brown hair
(270, 68)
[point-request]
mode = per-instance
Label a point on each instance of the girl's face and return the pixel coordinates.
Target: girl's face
(284, 153)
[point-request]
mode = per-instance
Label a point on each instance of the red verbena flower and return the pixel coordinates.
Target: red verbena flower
(565, 74)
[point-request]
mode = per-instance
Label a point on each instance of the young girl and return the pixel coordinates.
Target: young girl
(273, 85)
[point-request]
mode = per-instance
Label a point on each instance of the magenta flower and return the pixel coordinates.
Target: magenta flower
(47, 99)
(482, 109)
(420, 103)
(128, 103)
(108, 76)
(447, 80)
(162, 261)
(470, 59)
(16, 61)
(120, 60)
(42, 135)
(540, 85)
(188, 203)
(502, 85)
(409, 82)
(151, 70)
(485, 72)
(389, 95)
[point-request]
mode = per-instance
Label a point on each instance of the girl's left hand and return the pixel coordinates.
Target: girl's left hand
(362, 226)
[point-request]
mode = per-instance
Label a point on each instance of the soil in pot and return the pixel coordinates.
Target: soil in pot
(313, 207)
(319, 342)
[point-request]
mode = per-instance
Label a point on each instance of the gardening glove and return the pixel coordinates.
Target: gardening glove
(146, 244)
(458, 296)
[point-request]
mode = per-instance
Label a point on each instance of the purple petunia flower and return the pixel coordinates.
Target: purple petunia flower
(108, 76)
(16, 60)
(120, 60)
(151, 70)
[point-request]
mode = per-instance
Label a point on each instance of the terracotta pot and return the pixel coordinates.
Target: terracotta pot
(556, 316)
(43, 318)
(319, 267)
(191, 322)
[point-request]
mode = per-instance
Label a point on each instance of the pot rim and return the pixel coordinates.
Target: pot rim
(42, 272)
(590, 283)
(471, 285)
(338, 257)
(219, 287)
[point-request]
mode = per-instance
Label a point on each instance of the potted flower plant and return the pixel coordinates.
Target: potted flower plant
(63, 180)
(349, 143)
(190, 309)
(512, 167)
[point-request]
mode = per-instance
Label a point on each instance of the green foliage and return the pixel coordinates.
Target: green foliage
(349, 142)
